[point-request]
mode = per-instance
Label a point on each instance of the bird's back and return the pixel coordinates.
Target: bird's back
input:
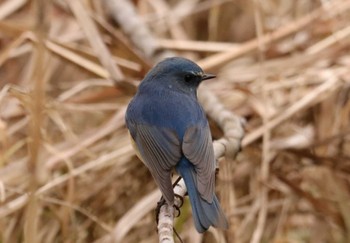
(165, 108)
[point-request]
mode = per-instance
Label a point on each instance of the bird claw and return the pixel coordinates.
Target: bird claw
(177, 211)
(179, 202)
(217, 169)
(160, 203)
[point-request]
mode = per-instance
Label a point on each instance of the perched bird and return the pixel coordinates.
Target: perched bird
(169, 129)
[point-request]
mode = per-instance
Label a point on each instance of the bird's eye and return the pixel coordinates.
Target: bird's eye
(188, 78)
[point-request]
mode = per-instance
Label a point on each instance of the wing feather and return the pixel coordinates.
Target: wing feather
(160, 150)
(198, 148)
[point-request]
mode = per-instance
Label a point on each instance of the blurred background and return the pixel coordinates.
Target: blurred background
(68, 69)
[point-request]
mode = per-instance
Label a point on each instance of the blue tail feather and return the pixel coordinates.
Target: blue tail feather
(204, 214)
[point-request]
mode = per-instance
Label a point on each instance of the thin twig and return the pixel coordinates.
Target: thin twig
(303, 103)
(9, 7)
(99, 46)
(190, 45)
(34, 163)
(265, 163)
(216, 60)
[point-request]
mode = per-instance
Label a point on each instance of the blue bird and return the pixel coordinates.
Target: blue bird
(169, 129)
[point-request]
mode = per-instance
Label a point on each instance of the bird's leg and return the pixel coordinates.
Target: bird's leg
(160, 203)
(179, 201)
(217, 168)
(177, 205)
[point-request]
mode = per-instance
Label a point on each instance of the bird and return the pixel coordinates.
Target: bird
(169, 130)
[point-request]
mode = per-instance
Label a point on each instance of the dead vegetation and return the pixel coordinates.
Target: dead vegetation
(69, 68)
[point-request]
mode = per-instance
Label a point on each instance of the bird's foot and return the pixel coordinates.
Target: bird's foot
(160, 203)
(179, 201)
(177, 205)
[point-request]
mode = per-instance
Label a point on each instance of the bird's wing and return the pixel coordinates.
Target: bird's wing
(198, 149)
(160, 150)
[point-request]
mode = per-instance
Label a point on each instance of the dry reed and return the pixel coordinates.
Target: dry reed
(68, 69)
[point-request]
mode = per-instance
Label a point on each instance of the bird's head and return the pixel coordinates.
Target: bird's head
(177, 73)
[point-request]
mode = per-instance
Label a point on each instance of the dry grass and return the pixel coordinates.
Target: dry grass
(67, 170)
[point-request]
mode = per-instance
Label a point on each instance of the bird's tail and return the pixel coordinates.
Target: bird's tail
(204, 214)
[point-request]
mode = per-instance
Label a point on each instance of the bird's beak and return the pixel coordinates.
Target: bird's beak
(206, 76)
